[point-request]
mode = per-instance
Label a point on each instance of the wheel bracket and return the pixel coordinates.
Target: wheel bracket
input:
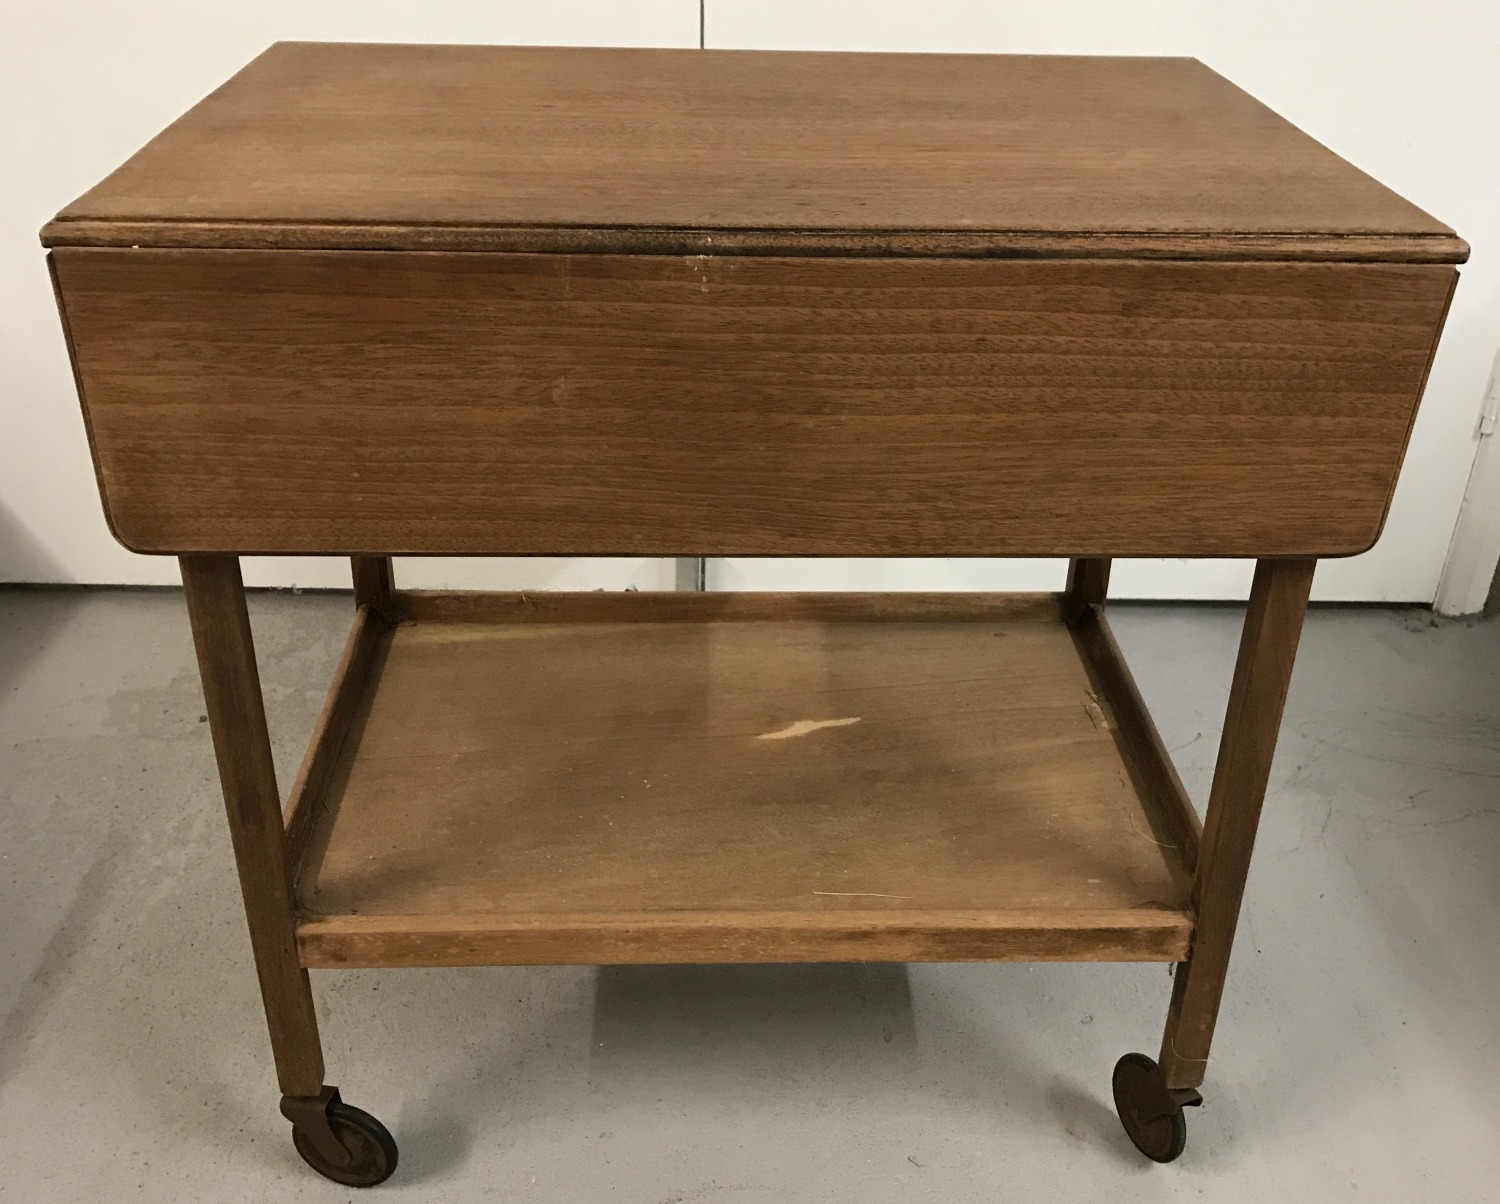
(309, 1115)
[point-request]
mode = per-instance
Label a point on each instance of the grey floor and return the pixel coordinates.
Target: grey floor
(1357, 1057)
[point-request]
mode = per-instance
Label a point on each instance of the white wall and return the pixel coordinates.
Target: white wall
(1404, 90)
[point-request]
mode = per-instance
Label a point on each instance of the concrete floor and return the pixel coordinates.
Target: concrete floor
(1357, 1056)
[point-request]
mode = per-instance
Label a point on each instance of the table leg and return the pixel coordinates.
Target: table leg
(1262, 673)
(1088, 585)
(237, 719)
(339, 1141)
(1150, 1096)
(375, 585)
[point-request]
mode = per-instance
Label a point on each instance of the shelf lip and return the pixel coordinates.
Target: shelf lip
(67, 230)
(314, 781)
(709, 606)
(1146, 934)
(1162, 794)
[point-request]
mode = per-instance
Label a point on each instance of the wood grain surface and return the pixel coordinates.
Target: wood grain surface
(944, 789)
(487, 147)
(368, 403)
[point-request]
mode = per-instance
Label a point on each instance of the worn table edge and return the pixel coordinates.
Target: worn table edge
(1290, 247)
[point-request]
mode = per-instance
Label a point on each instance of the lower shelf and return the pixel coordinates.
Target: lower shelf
(532, 779)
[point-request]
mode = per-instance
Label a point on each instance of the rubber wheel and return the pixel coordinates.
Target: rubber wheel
(372, 1149)
(1153, 1120)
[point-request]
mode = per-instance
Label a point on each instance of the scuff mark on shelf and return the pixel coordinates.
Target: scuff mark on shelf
(859, 894)
(803, 726)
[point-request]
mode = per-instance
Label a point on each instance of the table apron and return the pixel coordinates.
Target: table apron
(453, 403)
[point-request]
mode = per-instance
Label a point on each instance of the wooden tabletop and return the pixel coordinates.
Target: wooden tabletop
(333, 145)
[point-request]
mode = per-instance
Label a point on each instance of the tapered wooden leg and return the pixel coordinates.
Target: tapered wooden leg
(1268, 647)
(340, 1142)
(1088, 585)
(375, 585)
(237, 719)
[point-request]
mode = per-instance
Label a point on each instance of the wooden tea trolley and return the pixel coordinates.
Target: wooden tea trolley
(378, 300)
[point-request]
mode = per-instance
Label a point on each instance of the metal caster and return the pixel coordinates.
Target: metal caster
(1150, 1110)
(340, 1142)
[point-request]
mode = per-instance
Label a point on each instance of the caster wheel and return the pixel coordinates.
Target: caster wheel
(1150, 1110)
(370, 1147)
